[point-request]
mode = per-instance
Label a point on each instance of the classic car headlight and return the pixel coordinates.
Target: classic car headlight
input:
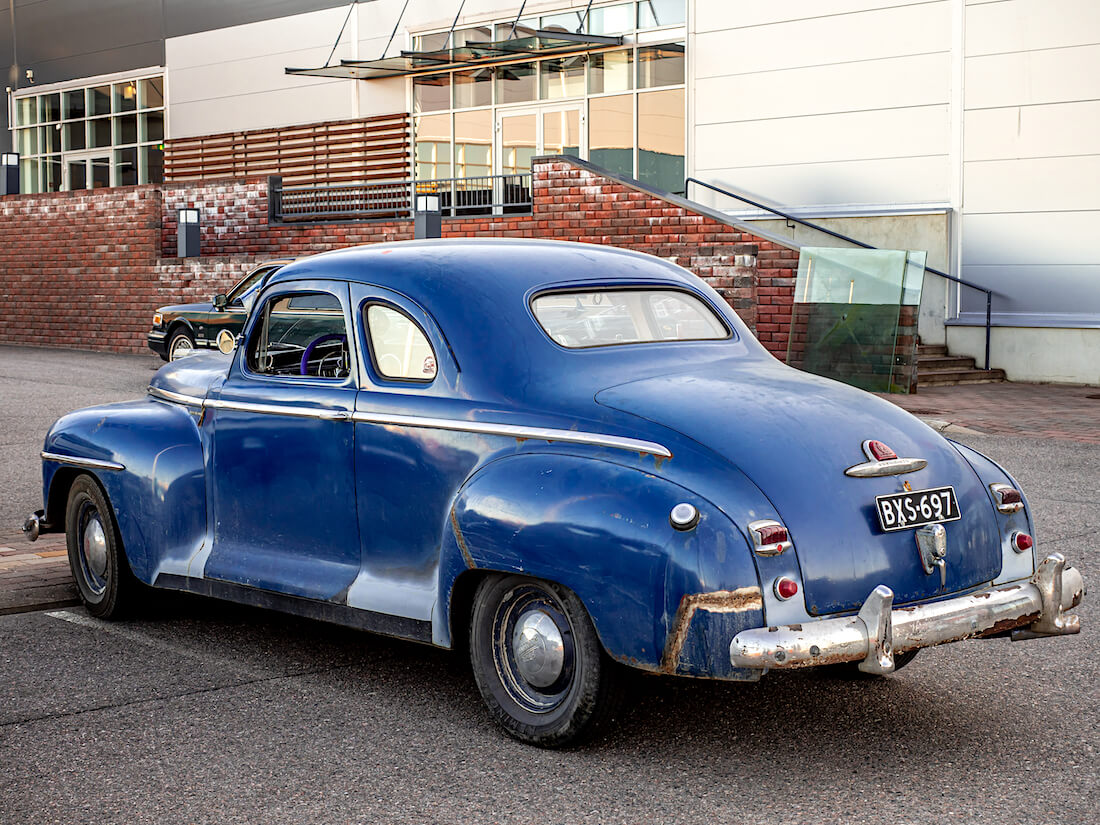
(157, 319)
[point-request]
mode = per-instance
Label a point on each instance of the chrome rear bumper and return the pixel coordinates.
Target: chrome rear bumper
(1026, 609)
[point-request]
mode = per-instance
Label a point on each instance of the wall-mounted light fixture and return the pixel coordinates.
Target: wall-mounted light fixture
(9, 173)
(427, 219)
(188, 233)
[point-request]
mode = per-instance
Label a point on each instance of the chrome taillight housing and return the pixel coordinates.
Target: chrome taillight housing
(1007, 498)
(1022, 542)
(769, 537)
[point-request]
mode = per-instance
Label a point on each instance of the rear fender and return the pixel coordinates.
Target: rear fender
(159, 498)
(603, 531)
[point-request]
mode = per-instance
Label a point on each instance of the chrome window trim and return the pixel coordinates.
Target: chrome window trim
(634, 445)
(78, 461)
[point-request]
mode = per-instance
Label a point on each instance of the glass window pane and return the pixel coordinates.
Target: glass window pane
(74, 104)
(653, 14)
(661, 139)
(562, 77)
(49, 138)
(26, 142)
(431, 93)
(99, 132)
(515, 83)
(126, 166)
(398, 347)
(101, 172)
(28, 176)
(474, 34)
(431, 42)
(611, 19)
(611, 133)
(78, 174)
(433, 147)
(51, 174)
(625, 316)
(517, 143)
(125, 96)
(99, 100)
(611, 72)
(26, 111)
(74, 135)
(660, 66)
(152, 165)
(126, 129)
(524, 28)
(49, 108)
(473, 143)
(473, 88)
(561, 132)
(152, 127)
(566, 21)
(151, 93)
(297, 328)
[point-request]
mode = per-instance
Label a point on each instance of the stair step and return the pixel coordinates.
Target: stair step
(945, 362)
(946, 377)
(931, 349)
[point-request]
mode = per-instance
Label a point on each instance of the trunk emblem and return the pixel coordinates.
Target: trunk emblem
(882, 461)
(932, 546)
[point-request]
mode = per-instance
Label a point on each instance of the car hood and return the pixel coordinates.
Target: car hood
(794, 434)
(192, 376)
(177, 309)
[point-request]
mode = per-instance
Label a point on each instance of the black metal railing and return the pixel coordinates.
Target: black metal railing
(458, 197)
(988, 292)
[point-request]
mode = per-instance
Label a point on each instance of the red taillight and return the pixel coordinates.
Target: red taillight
(1022, 542)
(1007, 498)
(769, 537)
(880, 452)
(785, 588)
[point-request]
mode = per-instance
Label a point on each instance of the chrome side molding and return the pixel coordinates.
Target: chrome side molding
(80, 461)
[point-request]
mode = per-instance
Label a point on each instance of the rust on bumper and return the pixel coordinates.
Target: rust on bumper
(1029, 609)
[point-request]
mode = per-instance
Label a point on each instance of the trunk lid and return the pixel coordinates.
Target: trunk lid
(794, 434)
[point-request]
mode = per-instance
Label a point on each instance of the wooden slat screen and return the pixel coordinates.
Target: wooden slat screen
(368, 150)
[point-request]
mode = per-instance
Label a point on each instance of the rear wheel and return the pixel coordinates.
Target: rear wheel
(538, 662)
(96, 557)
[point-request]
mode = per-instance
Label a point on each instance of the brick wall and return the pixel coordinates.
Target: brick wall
(102, 261)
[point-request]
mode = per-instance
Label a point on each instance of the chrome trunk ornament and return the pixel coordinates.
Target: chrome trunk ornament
(932, 545)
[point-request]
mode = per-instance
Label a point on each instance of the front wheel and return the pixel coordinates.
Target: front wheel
(181, 345)
(96, 558)
(538, 662)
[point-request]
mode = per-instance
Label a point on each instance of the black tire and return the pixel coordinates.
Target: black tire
(181, 343)
(585, 690)
(96, 557)
(850, 670)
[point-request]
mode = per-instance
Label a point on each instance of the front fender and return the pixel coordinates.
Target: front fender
(656, 595)
(159, 498)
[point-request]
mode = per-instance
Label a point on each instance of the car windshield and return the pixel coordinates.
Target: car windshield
(247, 282)
(625, 316)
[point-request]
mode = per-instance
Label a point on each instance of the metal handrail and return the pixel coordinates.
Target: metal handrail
(840, 236)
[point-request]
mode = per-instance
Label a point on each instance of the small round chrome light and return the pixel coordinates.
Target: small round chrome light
(684, 516)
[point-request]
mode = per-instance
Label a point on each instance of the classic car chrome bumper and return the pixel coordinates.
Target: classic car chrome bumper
(1028, 609)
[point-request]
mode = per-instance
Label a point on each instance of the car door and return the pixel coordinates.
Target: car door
(283, 486)
(406, 476)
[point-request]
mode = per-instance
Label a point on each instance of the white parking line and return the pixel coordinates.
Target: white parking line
(160, 644)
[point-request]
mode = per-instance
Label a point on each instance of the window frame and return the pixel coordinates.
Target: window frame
(584, 289)
(376, 371)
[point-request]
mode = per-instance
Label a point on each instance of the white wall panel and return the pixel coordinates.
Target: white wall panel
(884, 182)
(1033, 131)
(1010, 239)
(844, 38)
(889, 83)
(824, 138)
(712, 15)
(278, 107)
(1033, 185)
(1027, 25)
(1029, 78)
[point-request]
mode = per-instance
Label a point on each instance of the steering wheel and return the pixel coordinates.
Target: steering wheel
(316, 342)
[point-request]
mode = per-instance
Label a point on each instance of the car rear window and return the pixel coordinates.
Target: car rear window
(606, 317)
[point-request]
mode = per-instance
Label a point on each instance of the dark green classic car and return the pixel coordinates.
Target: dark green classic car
(181, 329)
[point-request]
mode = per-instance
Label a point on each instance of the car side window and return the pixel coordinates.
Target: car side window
(300, 334)
(399, 348)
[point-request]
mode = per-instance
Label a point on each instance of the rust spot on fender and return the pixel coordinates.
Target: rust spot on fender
(462, 542)
(720, 601)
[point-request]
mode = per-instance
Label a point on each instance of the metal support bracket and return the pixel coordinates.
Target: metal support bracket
(876, 615)
(1053, 621)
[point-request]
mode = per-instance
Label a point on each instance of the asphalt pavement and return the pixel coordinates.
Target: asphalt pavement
(197, 711)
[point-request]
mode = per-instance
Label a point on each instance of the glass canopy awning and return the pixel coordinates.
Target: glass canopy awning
(463, 57)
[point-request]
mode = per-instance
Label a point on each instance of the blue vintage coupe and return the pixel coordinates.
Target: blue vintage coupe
(563, 458)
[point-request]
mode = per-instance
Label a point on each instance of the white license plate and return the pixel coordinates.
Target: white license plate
(901, 511)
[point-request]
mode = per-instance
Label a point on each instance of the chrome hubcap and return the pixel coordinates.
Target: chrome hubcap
(94, 549)
(538, 648)
(182, 347)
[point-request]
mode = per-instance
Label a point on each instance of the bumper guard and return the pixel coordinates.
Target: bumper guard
(1031, 609)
